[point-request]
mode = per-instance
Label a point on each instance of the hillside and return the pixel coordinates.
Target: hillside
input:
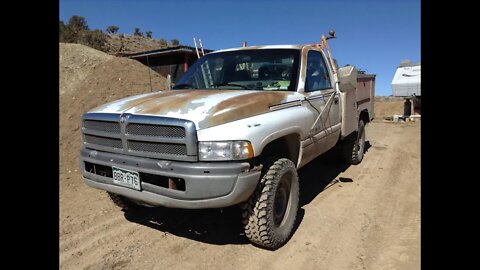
(127, 44)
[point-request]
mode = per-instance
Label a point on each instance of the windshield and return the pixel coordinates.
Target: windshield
(261, 69)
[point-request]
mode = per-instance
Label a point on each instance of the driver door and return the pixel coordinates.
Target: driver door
(323, 100)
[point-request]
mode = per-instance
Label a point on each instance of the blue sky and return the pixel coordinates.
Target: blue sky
(374, 35)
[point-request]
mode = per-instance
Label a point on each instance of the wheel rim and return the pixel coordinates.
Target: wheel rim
(361, 143)
(281, 200)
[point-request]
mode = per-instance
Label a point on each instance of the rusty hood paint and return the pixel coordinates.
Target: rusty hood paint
(206, 108)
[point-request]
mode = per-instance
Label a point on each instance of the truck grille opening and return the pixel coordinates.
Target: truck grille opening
(112, 127)
(155, 147)
(157, 180)
(163, 181)
(99, 169)
(104, 141)
(156, 130)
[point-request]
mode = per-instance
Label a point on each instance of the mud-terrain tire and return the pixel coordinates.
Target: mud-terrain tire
(269, 215)
(354, 149)
(122, 202)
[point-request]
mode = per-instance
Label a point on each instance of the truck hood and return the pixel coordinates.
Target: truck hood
(206, 108)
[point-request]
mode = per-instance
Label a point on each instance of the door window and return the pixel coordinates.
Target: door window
(317, 73)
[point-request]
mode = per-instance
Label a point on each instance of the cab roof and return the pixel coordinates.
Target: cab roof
(298, 47)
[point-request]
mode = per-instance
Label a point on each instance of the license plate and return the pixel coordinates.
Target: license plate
(126, 178)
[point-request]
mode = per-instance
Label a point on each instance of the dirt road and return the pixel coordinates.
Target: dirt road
(357, 217)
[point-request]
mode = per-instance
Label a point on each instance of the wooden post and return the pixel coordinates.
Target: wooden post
(185, 63)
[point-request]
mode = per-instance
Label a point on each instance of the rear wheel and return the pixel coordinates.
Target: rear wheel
(354, 149)
(270, 214)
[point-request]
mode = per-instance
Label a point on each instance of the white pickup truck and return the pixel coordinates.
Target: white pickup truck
(234, 130)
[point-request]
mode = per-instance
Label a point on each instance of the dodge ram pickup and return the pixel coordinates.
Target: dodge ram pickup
(234, 130)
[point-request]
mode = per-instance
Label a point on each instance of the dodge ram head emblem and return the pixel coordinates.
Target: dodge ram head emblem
(122, 119)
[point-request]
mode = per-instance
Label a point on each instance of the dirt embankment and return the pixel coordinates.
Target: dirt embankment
(89, 78)
(388, 106)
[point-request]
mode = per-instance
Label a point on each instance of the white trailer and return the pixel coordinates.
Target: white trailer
(407, 80)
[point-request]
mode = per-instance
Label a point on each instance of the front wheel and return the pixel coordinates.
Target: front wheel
(270, 214)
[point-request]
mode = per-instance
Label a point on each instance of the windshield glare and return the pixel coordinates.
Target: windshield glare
(261, 69)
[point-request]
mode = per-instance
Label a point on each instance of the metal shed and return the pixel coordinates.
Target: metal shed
(174, 60)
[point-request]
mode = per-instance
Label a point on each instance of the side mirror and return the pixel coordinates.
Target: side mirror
(347, 77)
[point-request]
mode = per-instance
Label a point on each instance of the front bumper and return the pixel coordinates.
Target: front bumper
(207, 185)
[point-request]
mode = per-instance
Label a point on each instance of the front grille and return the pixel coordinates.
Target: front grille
(141, 135)
(112, 127)
(104, 141)
(155, 147)
(155, 130)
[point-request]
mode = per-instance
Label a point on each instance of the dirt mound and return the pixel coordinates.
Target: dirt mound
(388, 106)
(89, 78)
(76, 62)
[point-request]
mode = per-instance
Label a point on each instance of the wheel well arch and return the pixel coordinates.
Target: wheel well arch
(364, 115)
(287, 146)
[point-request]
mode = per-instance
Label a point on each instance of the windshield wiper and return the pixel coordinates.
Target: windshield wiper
(182, 86)
(232, 84)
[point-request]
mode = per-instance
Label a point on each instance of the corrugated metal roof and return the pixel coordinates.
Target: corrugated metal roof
(360, 75)
(181, 48)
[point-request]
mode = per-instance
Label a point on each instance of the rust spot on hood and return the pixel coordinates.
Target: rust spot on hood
(243, 106)
(181, 101)
(206, 108)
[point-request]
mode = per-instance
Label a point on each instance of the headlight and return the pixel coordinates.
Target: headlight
(216, 151)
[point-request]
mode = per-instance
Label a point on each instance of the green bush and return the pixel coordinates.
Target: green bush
(61, 29)
(175, 42)
(112, 29)
(75, 27)
(149, 34)
(77, 31)
(77, 24)
(163, 42)
(137, 32)
(95, 39)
